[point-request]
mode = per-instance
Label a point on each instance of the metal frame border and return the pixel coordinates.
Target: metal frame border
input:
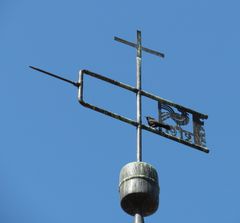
(130, 121)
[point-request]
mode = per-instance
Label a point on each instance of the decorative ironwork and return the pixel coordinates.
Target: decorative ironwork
(173, 119)
(181, 118)
(173, 123)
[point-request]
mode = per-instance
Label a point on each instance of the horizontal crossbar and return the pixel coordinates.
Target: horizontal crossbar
(156, 53)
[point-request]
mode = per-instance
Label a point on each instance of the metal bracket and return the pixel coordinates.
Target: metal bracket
(133, 122)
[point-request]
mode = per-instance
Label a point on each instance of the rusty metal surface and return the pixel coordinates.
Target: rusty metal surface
(98, 109)
(166, 134)
(176, 139)
(185, 125)
(167, 110)
(199, 133)
(143, 93)
(138, 182)
(177, 106)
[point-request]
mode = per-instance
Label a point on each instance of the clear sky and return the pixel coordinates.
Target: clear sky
(60, 162)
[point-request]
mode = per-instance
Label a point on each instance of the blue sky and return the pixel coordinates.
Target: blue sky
(59, 162)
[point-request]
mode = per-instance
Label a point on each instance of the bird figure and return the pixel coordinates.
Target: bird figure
(179, 118)
(154, 123)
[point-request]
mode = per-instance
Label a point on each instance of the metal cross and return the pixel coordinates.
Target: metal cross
(139, 85)
(171, 116)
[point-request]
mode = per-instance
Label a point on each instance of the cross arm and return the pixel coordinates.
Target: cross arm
(156, 53)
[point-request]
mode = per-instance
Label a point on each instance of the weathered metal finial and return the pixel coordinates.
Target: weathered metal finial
(138, 182)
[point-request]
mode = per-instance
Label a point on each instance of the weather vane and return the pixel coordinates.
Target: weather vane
(139, 188)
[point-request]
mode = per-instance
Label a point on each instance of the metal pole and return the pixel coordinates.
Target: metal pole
(159, 114)
(139, 100)
(138, 218)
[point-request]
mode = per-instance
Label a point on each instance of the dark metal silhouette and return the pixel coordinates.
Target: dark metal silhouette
(56, 76)
(138, 184)
(155, 124)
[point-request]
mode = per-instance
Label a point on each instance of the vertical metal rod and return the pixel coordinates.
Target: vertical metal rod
(80, 88)
(139, 100)
(159, 114)
(138, 218)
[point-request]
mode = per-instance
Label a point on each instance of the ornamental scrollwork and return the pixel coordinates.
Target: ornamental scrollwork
(180, 126)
